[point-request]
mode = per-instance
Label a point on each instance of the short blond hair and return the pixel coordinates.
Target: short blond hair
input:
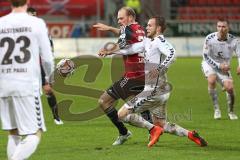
(129, 11)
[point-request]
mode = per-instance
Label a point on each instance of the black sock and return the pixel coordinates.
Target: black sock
(147, 116)
(52, 102)
(113, 116)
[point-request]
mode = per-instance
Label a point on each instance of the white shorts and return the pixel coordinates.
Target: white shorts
(208, 70)
(22, 113)
(155, 104)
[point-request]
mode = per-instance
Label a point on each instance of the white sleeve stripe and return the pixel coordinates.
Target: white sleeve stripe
(169, 59)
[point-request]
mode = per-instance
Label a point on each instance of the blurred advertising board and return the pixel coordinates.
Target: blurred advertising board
(198, 28)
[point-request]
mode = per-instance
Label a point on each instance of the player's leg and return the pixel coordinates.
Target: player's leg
(159, 118)
(126, 115)
(30, 123)
(9, 124)
(212, 90)
(142, 102)
(51, 98)
(13, 140)
(137, 87)
(106, 102)
(134, 119)
(52, 102)
(120, 89)
(160, 115)
(211, 76)
(228, 86)
(27, 146)
(177, 130)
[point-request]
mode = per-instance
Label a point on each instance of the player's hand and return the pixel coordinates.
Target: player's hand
(47, 88)
(224, 67)
(101, 27)
(103, 53)
(238, 70)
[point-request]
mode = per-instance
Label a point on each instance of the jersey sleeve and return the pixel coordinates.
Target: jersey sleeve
(128, 36)
(45, 51)
(133, 48)
(51, 43)
(122, 41)
(170, 53)
(206, 55)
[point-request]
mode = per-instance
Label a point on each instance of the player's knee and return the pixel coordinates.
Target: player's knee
(228, 85)
(121, 116)
(105, 101)
(102, 102)
(212, 83)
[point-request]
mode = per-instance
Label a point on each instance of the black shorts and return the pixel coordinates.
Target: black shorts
(126, 87)
(43, 76)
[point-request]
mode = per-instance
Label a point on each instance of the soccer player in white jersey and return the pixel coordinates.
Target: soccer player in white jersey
(23, 39)
(217, 53)
(159, 54)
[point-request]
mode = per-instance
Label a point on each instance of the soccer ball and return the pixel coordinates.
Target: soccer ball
(65, 67)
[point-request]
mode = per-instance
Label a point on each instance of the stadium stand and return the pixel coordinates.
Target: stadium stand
(74, 18)
(209, 10)
(70, 8)
(5, 7)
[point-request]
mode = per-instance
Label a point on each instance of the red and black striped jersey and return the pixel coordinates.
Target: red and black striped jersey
(134, 64)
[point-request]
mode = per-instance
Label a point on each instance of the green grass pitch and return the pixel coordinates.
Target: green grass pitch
(189, 106)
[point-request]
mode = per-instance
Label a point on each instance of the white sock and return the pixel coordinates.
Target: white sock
(137, 121)
(13, 141)
(175, 129)
(26, 147)
(230, 101)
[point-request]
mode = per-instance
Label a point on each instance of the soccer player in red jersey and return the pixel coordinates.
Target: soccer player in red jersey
(132, 81)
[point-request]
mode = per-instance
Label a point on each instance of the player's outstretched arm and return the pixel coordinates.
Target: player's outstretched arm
(109, 49)
(104, 27)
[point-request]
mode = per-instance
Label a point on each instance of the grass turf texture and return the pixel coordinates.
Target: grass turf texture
(189, 106)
